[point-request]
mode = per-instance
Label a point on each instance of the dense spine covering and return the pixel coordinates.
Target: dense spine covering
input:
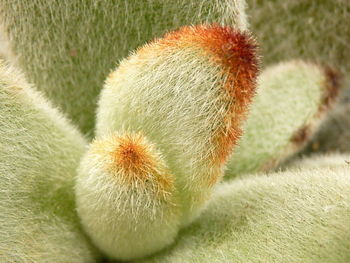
(126, 197)
(298, 215)
(39, 154)
(291, 102)
(187, 94)
(68, 47)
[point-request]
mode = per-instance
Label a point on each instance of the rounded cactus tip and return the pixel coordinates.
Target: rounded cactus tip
(124, 182)
(133, 161)
(231, 49)
(235, 53)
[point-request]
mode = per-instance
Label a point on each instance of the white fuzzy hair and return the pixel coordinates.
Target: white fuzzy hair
(127, 215)
(291, 103)
(298, 215)
(66, 48)
(177, 96)
(39, 152)
(179, 104)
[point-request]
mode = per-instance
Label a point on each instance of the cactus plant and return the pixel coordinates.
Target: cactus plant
(167, 121)
(298, 215)
(184, 96)
(292, 99)
(68, 47)
(39, 152)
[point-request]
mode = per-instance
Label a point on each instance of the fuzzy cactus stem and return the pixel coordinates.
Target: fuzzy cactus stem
(187, 94)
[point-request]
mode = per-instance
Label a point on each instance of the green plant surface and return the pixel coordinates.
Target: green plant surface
(39, 153)
(67, 48)
(319, 160)
(291, 102)
(5, 52)
(307, 29)
(312, 30)
(297, 215)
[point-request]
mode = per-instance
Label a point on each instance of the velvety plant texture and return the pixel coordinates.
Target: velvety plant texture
(180, 131)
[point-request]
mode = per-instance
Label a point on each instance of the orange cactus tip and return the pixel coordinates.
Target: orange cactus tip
(132, 159)
(235, 51)
(132, 155)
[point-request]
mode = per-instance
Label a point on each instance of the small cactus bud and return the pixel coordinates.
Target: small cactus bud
(126, 197)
